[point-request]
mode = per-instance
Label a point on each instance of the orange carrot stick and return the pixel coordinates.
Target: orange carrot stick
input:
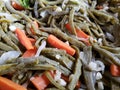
(55, 42)
(32, 40)
(80, 34)
(24, 40)
(41, 82)
(30, 53)
(6, 84)
(115, 70)
(36, 25)
(17, 6)
(67, 25)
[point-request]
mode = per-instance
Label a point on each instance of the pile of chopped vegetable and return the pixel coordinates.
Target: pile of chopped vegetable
(59, 45)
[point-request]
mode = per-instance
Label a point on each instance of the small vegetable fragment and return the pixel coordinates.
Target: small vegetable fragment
(30, 53)
(41, 82)
(99, 7)
(6, 84)
(115, 70)
(67, 80)
(25, 3)
(24, 40)
(17, 6)
(80, 34)
(32, 40)
(36, 25)
(6, 56)
(54, 41)
(40, 48)
(56, 84)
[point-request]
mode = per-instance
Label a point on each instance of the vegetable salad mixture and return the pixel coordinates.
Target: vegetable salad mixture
(59, 45)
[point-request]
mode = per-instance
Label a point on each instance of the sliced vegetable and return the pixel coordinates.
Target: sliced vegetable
(36, 25)
(41, 82)
(79, 33)
(6, 84)
(25, 3)
(32, 40)
(41, 47)
(115, 70)
(24, 40)
(5, 47)
(17, 6)
(66, 78)
(30, 53)
(49, 76)
(8, 16)
(98, 7)
(54, 41)
(9, 56)
(74, 78)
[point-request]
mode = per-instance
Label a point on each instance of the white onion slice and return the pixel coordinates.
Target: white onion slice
(41, 47)
(8, 16)
(8, 56)
(98, 76)
(96, 66)
(100, 85)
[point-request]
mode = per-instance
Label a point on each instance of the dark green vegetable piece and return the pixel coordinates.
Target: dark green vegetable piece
(25, 3)
(74, 78)
(88, 75)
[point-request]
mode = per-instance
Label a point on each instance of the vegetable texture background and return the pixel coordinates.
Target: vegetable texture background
(59, 45)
